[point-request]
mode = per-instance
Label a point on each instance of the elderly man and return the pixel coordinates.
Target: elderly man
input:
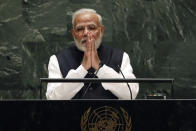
(89, 58)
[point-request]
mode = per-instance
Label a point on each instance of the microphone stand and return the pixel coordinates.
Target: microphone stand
(126, 82)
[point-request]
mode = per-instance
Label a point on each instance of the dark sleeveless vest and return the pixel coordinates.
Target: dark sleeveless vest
(71, 58)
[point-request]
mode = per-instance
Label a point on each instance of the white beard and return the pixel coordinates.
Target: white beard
(82, 46)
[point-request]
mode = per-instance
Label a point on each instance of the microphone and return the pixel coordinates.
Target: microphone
(100, 65)
(126, 82)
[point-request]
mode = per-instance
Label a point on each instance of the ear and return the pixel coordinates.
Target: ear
(73, 33)
(102, 30)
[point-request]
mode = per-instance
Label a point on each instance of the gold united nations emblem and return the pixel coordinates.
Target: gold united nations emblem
(106, 119)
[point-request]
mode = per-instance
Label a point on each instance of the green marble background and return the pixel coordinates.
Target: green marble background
(159, 36)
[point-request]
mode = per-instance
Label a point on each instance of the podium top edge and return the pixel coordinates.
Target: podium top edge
(111, 80)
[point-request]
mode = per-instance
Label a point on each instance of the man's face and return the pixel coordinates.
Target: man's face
(87, 24)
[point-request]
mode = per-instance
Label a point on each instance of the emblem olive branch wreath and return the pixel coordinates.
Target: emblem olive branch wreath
(85, 116)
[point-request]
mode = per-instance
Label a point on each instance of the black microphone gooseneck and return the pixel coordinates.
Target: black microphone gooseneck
(100, 65)
(126, 82)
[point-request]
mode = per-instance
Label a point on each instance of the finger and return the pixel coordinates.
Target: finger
(90, 35)
(88, 45)
(93, 44)
(92, 40)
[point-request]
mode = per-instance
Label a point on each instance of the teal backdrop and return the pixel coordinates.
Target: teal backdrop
(158, 35)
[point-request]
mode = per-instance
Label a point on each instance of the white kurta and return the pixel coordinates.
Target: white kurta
(66, 91)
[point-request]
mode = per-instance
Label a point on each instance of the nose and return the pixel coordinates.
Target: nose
(86, 31)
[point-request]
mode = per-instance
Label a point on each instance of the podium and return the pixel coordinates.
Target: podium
(80, 115)
(86, 115)
(98, 115)
(117, 80)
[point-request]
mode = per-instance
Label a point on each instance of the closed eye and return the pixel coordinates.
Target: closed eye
(92, 27)
(79, 28)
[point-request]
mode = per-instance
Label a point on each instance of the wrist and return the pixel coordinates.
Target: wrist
(85, 66)
(99, 65)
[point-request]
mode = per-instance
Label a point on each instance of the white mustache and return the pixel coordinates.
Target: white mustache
(81, 46)
(84, 39)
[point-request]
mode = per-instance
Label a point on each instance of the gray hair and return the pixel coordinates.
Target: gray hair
(85, 10)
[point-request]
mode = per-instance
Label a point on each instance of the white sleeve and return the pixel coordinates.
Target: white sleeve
(63, 91)
(120, 90)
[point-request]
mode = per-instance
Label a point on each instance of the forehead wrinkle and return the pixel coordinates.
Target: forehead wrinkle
(86, 17)
(84, 24)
